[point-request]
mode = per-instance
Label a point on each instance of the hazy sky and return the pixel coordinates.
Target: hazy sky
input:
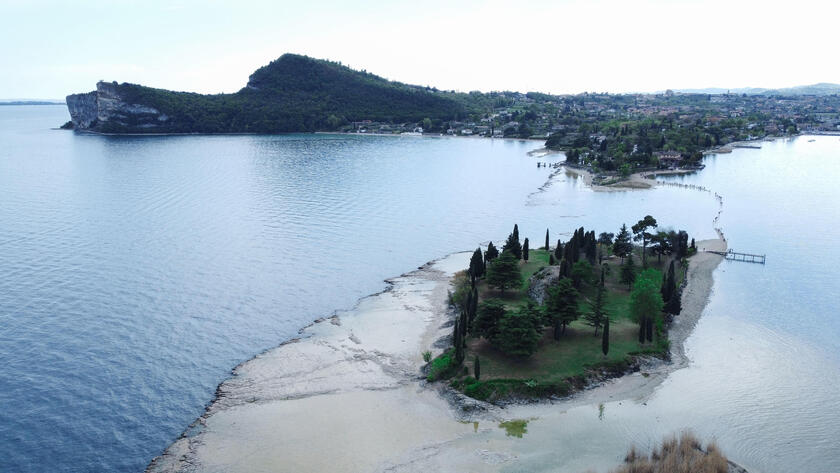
(49, 49)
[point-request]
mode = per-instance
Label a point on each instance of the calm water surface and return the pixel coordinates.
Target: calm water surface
(137, 271)
(765, 357)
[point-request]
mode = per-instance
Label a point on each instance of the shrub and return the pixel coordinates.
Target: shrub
(442, 367)
(683, 455)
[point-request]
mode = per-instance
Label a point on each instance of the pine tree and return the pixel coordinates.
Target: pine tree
(517, 335)
(562, 305)
(546, 240)
(640, 230)
(622, 245)
(489, 255)
(581, 272)
(489, 313)
(646, 302)
(525, 250)
(605, 337)
(476, 368)
(503, 272)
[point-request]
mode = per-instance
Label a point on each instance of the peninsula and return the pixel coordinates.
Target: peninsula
(297, 93)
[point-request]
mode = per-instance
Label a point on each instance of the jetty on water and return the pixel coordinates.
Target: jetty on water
(745, 257)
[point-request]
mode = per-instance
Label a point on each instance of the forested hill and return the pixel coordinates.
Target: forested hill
(293, 93)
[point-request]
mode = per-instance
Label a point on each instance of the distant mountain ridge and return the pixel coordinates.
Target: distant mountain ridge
(291, 94)
(822, 88)
(30, 102)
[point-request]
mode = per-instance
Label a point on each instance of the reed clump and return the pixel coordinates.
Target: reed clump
(683, 455)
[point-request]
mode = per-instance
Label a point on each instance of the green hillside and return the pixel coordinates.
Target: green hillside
(293, 93)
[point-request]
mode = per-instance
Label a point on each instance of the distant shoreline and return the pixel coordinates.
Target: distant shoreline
(34, 102)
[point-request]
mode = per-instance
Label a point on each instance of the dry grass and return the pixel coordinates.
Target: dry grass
(685, 455)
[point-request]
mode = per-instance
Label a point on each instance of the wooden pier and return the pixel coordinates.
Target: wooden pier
(745, 257)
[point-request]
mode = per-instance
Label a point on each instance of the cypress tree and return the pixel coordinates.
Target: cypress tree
(512, 244)
(558, 251)
(605, 337)
(459, 343)
(628, 271)
(642, 325)
(551, 259)
(674, 304)
(693, 247)
(649, 329)
(590, 248)
(473, 305)
(669, 283)
(546, 239)
(525, 250)
(476, 368)
(477, 264)
(595, 318)
(463, 324)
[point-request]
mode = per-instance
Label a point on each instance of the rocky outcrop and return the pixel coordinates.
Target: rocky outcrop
(105, 109)
(539, 283)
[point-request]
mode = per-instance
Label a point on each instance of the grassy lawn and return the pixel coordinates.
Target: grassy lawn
(556, 362)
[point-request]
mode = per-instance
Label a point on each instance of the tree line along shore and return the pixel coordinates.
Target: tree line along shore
(545, 322)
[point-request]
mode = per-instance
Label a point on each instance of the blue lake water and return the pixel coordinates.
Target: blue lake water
(137, 271)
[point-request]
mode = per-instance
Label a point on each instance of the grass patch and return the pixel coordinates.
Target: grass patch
(555, 361)
(443, 366)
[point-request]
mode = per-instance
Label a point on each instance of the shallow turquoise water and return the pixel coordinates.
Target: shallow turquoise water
(137, 271)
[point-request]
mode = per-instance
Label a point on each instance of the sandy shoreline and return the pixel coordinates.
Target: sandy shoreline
(358, 371)
(349, 392)
(636, 181)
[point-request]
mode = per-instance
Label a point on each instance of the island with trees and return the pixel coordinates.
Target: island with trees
(542, 322)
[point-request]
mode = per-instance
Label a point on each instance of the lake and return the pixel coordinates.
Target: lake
(137, 271)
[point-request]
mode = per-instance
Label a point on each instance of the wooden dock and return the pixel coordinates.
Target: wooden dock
(745, 257)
